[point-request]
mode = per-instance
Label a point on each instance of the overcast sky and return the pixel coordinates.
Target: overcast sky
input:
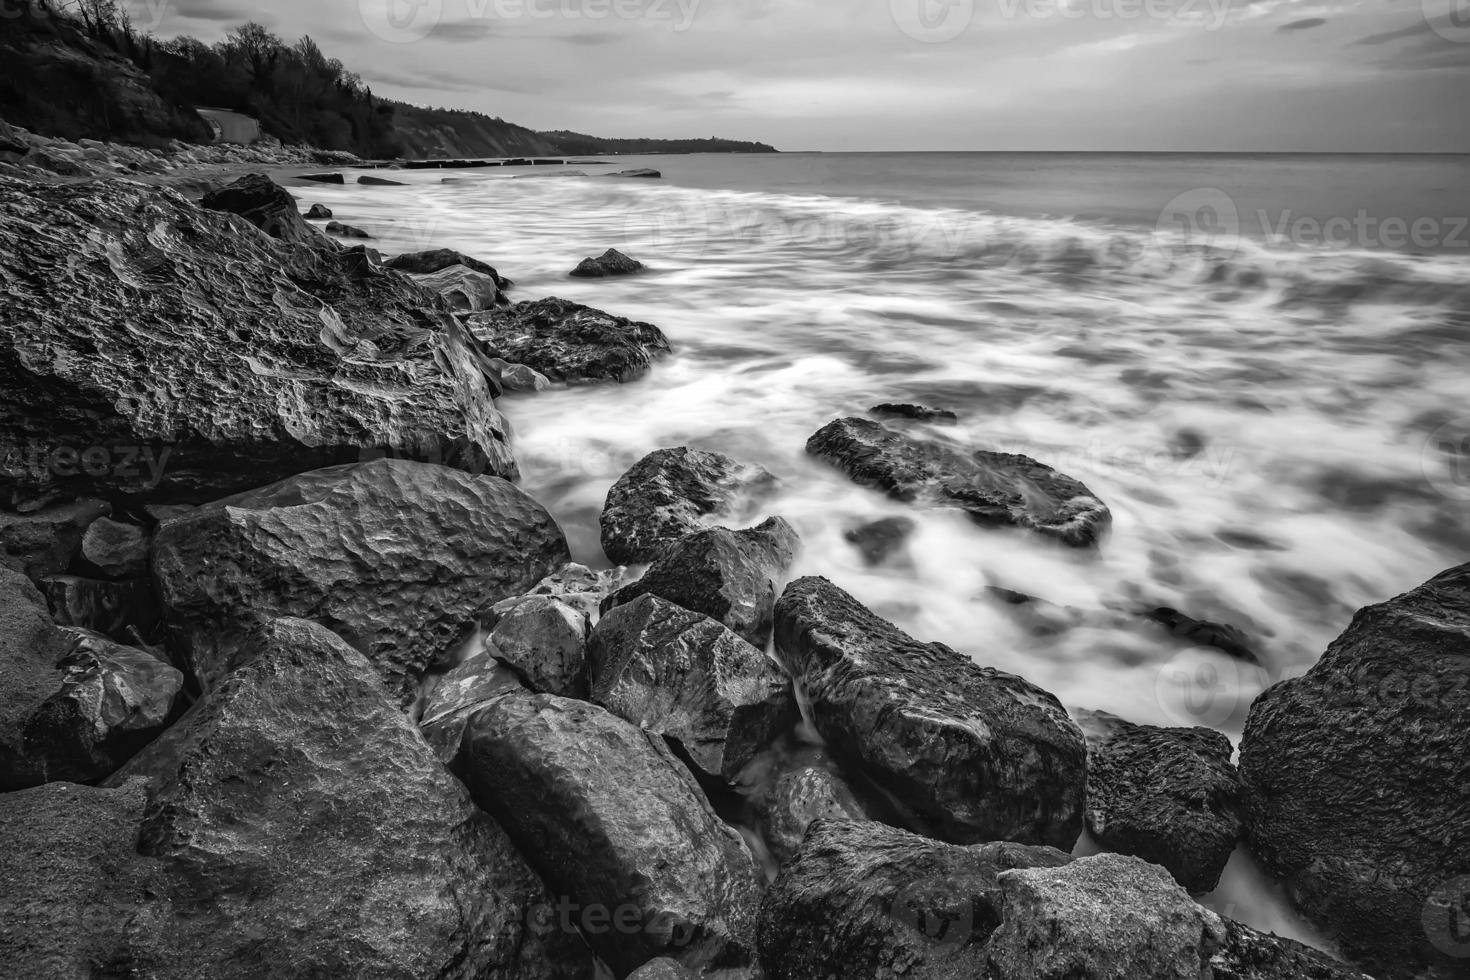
(1372, 75)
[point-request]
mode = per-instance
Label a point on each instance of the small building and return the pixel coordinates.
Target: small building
(229, 126)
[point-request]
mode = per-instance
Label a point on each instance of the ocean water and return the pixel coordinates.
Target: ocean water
(1277, 413)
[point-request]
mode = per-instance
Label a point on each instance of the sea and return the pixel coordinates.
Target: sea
(1261, 363)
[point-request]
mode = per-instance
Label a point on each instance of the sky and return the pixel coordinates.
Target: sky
(1188, 75)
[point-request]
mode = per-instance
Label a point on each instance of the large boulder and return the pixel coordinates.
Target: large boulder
(398, 558)
(975, 753)
(1358, 783)
(544, 640)
(1108, 917)
(670, 493)
(171, 351)
(74, 705)
(618, 829)
(690, 679)
(304, 829)
(867, 900)
(1167, 795)
(990, 488)
(265, 204)
(569, 342)
(729, 576)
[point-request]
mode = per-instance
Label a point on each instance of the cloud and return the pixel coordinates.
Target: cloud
(1306, 23)
(1417, 28)
(589, 38)
(464, 31)
(208, 10)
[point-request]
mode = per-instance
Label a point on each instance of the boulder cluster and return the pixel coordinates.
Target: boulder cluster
(298, 683)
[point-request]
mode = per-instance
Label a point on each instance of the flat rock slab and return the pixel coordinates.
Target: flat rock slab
(569, 342)
(398, 558)
(1358, 783)
(729, 576)
(991, 488)
(304, 829)
(686, 677)
(671, 493)
(618, 830)
(177, 353)
(977, 754)
(1168, 795)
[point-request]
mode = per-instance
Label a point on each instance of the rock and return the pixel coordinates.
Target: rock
(867, 900)
(618, 830)
(1107, 917)
(729, 576)
(265, 204)
(398, 558)
(47, 541)
(65, 164)
(609, 263)
(11, 141)
(323, 178)
(670, 493)
(544, 641)
(380, 181)
(1358, 783)
(991, 488)
(103, 607)
(115, 550)
(465, 290)
(439, 259)
(719, 700)
(580, 587)
(457, 697)
(879, 540)
(73, 704)
(662, 968)
(1251, 955)
(644, 172)
(918, 413)
(571, 343)
(345, 231)
(519, 377)
(1168, 795)
(1221, 636)
(802, 792)
(304, 829)
(318, 212)
(249, 376)
(976, 753)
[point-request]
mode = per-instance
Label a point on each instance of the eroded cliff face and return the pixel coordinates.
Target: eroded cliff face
(429, 133)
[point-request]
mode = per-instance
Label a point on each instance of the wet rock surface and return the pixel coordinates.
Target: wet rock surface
(249, 376)
(457, 697)
(266, 205)
(609, 263)
(803, 790)
(398, 558)
(916, 413)
(544, 641)
(465, 290)
(438, 259)
(1168, 795)
(977, 754)
(881, 540)
(1248, 954)
(618, 829)
(670, 493)
(294, 841)
(1221, 636)
(991, 488)
(686, 677)
(1358, 782)
(729, 576)
(571, 343)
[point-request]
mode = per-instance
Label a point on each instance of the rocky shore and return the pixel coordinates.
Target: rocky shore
(295, 681)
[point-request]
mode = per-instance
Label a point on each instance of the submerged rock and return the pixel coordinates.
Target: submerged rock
(266, 205)
(323, 178)
(1221, 636)
(74, 705)
(380, 181)
(977, 754)
(398, 558)
(867, 900)
(644, 172)
(879, 540)
(1168, 795)
(688, 678)
(544, 641)
(618, 829)
(729, 576)
(991, 488)
(263, 359)
(569, 342)
(918, 413)
(609, 263)
(302, 828)
(1358, 782)
(670, 493)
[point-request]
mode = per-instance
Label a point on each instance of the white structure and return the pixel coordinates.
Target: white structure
(230, 127)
